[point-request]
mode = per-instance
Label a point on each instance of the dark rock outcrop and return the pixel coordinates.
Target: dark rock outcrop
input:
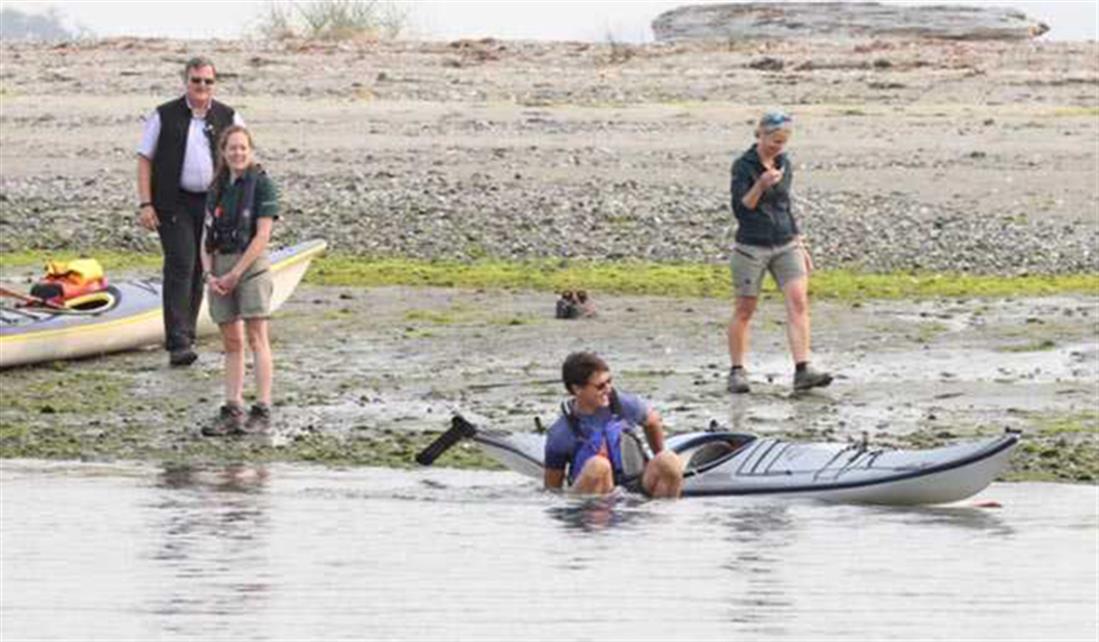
(837, 20)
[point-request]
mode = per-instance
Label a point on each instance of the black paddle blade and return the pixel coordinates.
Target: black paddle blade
(459, 429)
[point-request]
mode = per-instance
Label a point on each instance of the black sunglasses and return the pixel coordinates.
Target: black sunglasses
(202, 81)
(602, 385)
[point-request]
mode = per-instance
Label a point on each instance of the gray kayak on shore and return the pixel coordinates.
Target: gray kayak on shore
(718, 463)
(127, 316)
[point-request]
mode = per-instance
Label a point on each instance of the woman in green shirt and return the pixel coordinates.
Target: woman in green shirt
(241, 209)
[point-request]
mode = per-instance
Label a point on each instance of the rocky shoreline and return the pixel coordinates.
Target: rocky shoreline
(838, 21)
(909, 155)
(872, 234)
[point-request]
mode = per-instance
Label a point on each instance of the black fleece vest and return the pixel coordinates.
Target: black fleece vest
(175, 123)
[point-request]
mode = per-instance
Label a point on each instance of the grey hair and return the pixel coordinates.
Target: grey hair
(197, 62)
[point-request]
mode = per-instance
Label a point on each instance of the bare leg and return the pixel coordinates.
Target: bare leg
(596, 478)
(663, 477)
(738, 328)
(232, 339)
(796, 295)
(261, 354)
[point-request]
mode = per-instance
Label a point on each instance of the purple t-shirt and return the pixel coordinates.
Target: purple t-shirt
(561, 443)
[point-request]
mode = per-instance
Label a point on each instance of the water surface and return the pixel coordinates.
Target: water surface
(121, 552)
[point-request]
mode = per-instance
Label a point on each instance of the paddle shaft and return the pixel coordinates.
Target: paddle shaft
(33, 300)
(459, 430)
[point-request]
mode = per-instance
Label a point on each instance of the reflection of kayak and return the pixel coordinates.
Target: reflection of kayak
(724, 463)
(129, 317)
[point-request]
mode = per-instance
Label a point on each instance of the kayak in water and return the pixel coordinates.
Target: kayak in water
(718, 463)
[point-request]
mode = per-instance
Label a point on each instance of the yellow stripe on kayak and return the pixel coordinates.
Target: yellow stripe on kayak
(135, 318)
(296, 258)
(93, 327)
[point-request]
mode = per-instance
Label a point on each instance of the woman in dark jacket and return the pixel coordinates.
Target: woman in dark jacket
(768, 240)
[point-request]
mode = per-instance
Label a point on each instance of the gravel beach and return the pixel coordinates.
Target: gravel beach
(909, 155)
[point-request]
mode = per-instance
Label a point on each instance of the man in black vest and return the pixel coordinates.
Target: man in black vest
(175, 165)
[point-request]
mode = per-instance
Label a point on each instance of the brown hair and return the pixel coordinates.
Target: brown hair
(222, 168)
(579, 367)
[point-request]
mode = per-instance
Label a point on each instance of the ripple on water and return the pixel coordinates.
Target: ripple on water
(295, 551)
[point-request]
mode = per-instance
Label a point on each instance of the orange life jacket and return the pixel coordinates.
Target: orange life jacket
(65, 280)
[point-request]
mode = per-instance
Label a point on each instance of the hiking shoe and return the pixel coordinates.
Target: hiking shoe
(259, 420)
(230, 421)
(182, 357)
(738, 381)
(810, 378)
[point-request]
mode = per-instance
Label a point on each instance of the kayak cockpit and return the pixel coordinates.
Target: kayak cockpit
(704, 451)
(92, 303)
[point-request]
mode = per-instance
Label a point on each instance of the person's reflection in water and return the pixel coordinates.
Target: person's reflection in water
(231, 478)
(214, 524)
(598, 513)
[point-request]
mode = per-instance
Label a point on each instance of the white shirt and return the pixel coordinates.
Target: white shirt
(198, 169)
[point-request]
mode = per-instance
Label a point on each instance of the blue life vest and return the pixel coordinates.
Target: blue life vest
(589, 445)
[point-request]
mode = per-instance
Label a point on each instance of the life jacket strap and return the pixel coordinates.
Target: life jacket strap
(233, 231)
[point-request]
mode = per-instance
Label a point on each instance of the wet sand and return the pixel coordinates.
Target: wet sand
(367, 376)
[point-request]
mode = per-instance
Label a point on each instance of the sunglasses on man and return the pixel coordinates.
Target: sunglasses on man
(602, 385)
(195, 80)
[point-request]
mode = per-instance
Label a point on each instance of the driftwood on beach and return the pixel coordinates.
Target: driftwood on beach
(837, 20)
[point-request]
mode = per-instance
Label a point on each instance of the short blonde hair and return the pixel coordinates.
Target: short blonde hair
(773, 121)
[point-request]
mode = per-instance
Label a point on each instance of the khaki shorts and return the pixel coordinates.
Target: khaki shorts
(251, 299)
(750, 263)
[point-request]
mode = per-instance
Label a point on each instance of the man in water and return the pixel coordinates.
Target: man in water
(584, 445)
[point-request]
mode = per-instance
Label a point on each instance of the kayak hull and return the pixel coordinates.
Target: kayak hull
(721, 464)
(854, 473)
(134, 321)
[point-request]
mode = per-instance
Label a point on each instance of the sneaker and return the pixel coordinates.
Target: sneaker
(259, 419)
(738, 381)
(182, 357)
(230, 420)
(810, 378)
